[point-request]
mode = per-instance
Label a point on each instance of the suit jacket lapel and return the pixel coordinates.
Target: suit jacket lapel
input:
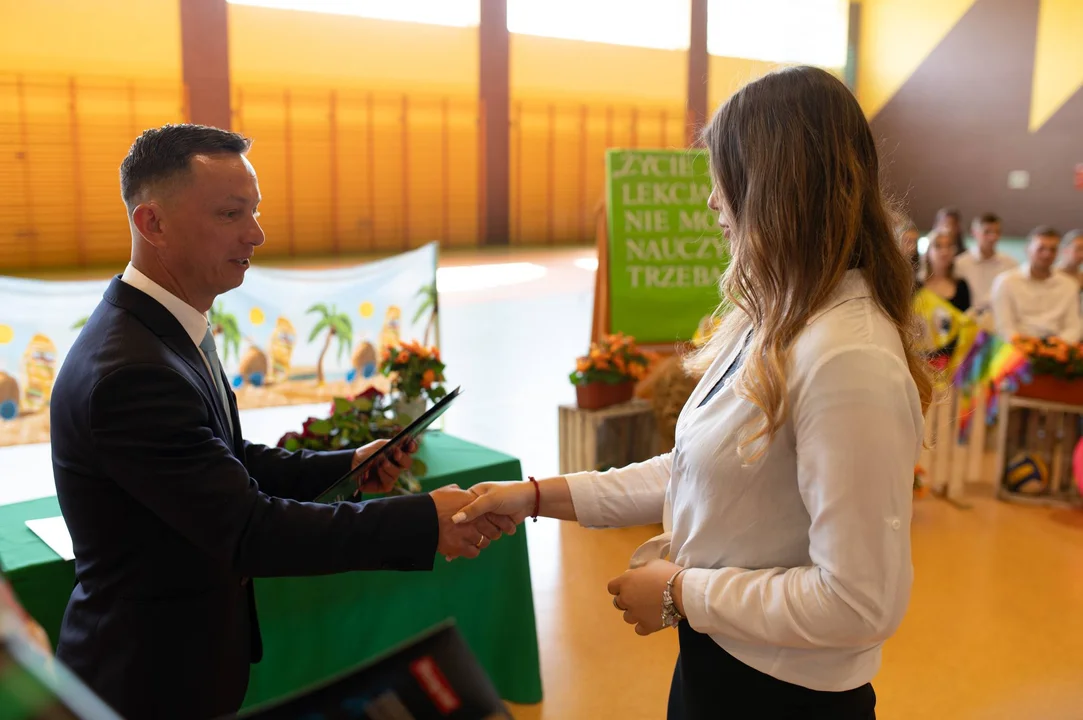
(162, 322)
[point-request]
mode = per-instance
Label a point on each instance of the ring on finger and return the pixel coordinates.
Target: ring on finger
(480, 541)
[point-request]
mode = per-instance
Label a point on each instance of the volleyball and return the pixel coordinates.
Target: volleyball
(1027, 474)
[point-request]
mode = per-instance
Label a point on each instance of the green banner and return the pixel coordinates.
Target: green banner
(666, 251)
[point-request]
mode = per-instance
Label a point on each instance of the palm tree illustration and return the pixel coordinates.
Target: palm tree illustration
(226, 325)
(430, 302)
(338, 326)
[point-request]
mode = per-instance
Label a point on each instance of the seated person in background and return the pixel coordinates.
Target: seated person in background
(981, 265)
(940, 276)
(1073, 256)
(1035, 301)
(947, 221)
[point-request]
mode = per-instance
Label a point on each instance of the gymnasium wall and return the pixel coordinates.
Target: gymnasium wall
(78, 81)
(365, 131)
(962, 93)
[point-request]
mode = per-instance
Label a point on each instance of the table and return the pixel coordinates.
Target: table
(314, 628)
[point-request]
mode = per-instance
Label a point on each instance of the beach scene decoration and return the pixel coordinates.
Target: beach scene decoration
(285, 337)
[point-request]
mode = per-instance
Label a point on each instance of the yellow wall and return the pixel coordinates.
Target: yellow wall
(894, 38)
(727, 75)
(398, 165)
(1058, 61)
(294, 48)
(78, 81)
(119, 38)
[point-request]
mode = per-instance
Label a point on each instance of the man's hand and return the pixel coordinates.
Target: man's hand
(639, 594)
(384, 476)
(465, 539)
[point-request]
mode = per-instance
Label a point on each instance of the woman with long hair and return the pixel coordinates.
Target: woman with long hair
(940, 277)
(785, 562)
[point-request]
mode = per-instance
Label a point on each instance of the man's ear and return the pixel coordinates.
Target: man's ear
(147, 218)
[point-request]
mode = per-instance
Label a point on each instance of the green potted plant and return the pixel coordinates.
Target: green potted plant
(353, 422)
(608, 373)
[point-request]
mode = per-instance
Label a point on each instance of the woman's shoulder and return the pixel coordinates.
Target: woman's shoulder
(858, 329)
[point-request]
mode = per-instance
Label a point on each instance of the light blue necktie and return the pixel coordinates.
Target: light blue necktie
(209, 349)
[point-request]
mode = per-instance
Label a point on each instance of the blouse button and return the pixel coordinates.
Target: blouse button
(895, 524)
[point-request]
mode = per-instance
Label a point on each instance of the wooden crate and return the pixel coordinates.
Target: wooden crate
(612, 437)
(1044, 428)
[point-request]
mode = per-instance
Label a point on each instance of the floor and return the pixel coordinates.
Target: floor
(995, 625)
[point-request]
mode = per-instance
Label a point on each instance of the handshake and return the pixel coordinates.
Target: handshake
(469, 519)
(472, 519)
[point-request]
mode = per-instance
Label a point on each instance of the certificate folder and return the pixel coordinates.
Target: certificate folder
(346, 487)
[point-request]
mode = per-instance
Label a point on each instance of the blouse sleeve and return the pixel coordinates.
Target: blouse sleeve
(858, 426)
(631, 495)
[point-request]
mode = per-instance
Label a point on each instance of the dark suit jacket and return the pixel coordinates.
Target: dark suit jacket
(170, 519)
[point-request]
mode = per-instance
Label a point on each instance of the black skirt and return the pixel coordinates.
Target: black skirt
(710, 684)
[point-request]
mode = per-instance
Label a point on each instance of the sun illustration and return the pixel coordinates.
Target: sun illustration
(6, 334)
(255, 315)
(366, 309)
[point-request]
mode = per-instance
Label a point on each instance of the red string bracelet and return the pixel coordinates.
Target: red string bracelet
(537, 499)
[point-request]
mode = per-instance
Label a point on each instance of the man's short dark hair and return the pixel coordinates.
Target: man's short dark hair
(987, 219)
(163, 153)
(1043, 231)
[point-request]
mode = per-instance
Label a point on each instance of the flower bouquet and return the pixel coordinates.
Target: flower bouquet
(352, 423)
(607, 374)
(1056, 369)
(416, 373)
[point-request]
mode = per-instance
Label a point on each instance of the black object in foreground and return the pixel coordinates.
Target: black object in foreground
(432, 677)
(346, 487)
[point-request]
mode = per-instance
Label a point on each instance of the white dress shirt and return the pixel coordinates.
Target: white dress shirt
(980, 272)
(193, 321)
(1024, 305)
(799, 564)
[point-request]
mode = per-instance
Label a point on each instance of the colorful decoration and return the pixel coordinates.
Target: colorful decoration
(283, 339)
(990, 365)
(261, 329)
(947, 334)
(39, 368)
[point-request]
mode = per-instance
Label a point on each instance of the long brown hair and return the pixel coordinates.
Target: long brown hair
(796, 172)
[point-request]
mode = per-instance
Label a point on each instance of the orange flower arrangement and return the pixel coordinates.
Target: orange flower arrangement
(415, 370)
(613, 360)
(1052, 356)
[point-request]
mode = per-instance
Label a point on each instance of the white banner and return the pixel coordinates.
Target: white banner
(285, 337)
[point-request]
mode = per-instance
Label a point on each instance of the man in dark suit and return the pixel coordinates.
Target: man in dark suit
(170, 510)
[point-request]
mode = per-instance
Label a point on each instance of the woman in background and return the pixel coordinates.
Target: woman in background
(947, 221)
(786, 501)
(940, 275)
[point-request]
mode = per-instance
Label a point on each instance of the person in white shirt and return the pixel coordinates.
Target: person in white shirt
(1035, 300)
(981, 264)
(1072, 266)
(785, 562)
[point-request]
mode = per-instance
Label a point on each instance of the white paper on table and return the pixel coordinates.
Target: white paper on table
(54, 533)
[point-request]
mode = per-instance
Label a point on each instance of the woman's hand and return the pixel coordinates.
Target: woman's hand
(512, 500)
(639, 594)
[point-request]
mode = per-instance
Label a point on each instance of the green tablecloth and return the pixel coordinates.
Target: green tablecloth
(316, 627)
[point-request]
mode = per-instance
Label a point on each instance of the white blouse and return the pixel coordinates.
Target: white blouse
(799, 564)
